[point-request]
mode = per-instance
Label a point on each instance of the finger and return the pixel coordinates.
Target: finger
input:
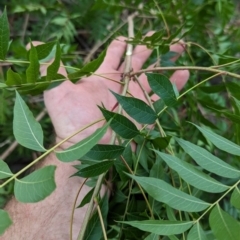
(178, 48)
(139, 56)
(114, 54)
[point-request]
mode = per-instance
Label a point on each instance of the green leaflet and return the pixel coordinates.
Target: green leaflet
(208, 161)
(164, 192)
(5, 171)
(52, 70)
(152, 236)
(137, 109)
(81, 148)
(120, 124)
(32, 72)
(13, 78)
(88, 68)
(26, 129)
(220, 142)
(196, 232)
(223, 225)
(161, 227)
(162, 86)
(192, 175)
(45, 49)
(235, 198)
(5, 221)
(95, 169)
(36, 186)
(4, 36)
(86, 198)
(104, 151)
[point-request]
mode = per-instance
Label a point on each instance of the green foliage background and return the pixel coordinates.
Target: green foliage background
(212, 38)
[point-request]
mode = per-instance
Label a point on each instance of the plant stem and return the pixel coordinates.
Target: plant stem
(49, 151)
(101, 218)
(73, 208)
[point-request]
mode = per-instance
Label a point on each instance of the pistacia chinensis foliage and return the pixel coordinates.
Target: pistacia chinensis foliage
(181, 181)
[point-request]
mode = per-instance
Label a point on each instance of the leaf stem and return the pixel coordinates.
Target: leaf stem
(73, 208)
(101, 218)
(49, 151)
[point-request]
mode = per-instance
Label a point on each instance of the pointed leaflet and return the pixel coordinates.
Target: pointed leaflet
(137, 109)
(162, 86)
(32, 72)
(161, 227)
(26, 129)
(120, 124)
(4, 35)
(81, 148)
(208, 161)
(45, 49)
(164, 192)
(5, 221)
(88, 68)
(235, 198)
(36, 186)
(95, 169)
(192, 175)
(86, 198)
(220, 142)
(104, 151)
(53, 68)
(223, 225)
(196, 232)
(5, 171)
(13, 78)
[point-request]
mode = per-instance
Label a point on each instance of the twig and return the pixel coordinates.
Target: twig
(15, 143)
(73, 208)
(101, 218)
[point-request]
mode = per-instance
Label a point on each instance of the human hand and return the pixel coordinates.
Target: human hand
(73, 106)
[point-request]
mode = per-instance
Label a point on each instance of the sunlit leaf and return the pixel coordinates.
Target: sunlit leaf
(95, 169)
(5, 221)
(162, 86)
(196, 232)
(137, 109)
(104, 151)
(36, 186)
(220, 142)
(26, 129)
(13, 78)
(32, 72)
(4, 34)
(88, 68)
(53, 68)
(81, 148)
(223, 225)
(164, 192)
(192, 175)
(208, 161)
(235, 198)
(120, 124)
(161, 227)
(5, 171)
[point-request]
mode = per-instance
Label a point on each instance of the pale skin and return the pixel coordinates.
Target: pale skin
(71, 107)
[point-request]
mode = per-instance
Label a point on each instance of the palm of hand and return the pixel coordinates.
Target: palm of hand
(73, 106)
